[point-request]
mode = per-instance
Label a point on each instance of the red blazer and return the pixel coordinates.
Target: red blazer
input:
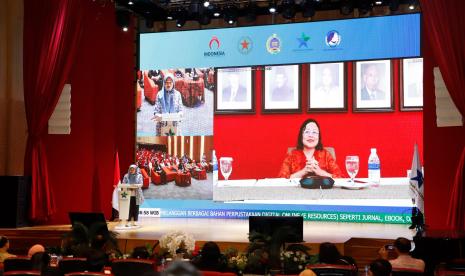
(295, 161)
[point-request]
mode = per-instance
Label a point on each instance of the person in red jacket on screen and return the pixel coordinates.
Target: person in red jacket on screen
(309, 158)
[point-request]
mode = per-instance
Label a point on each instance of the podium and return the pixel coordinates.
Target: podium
(169, 126)
(124, 199)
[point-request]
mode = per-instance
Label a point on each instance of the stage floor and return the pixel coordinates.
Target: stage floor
(236, 230)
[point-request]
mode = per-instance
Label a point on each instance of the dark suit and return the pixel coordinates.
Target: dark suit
(241, 94)
(378, 94)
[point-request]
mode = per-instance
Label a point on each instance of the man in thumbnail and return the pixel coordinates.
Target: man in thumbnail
(281, 90)
(370, 90)
(235, 92)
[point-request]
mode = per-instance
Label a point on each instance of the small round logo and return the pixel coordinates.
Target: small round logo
(244, 45)
(333, 38)
(273, 44)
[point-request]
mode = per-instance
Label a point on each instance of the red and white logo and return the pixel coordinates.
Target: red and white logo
(214, 40)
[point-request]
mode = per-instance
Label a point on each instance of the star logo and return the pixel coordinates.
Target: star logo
(244, 45)
(124, 194)
(418, 178)
(303, 39)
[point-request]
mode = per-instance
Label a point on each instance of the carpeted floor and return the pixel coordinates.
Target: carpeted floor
(199, 189)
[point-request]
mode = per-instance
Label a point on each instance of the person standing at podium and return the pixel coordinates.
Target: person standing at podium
(168, 100)
(134, 177)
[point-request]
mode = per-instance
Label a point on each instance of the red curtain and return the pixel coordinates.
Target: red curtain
(51, 31)
(444, 23)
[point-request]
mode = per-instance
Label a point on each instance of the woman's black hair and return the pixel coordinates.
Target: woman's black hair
(300, 144)
(210, 251)
(329, 254)
(3, 241)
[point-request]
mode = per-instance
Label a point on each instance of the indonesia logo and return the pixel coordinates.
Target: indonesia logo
(214, 46)
(273, 44)
(244, 45)
(333, 39)
(214, 40)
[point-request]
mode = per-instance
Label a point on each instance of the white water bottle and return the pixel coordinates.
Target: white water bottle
(374, 167)
(215, 168)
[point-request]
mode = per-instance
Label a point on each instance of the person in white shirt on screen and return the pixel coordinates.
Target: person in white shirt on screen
(327, 93)
(370, 90)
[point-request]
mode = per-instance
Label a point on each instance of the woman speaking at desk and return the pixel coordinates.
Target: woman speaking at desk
(309, 157)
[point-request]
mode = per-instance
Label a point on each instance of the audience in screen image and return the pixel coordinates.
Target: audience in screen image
(235, 91)
(327, 91)
(281, 90)
(371, 79)
(309, 158)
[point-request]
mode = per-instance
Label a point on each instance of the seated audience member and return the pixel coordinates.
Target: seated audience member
(140, 252)
(210, 258)
(307, 272)
(181, 167)
(402, 247)
(180, 268)
(41, 261)
(380, 267)
(309, 158)
(37, 248)
(329, 254)
(4, 246)
(96, 260)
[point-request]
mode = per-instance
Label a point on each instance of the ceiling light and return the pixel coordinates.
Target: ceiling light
(272, 7)
(206, 4)
(216, 14)
(130, 2)
(123, 18)
(230, 14)
(378, 2)
(180, 22)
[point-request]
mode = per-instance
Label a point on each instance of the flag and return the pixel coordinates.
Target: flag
(116, 181)
(416, 181)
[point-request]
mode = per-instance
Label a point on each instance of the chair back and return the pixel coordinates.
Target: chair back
(216, 273)
(130, 267)
(67, 265)
(22, 272)
(87, 274)
(333, 270)
(406, 272)
(17, 263)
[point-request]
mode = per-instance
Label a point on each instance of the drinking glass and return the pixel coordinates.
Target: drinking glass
(226, 166)
(352, 163)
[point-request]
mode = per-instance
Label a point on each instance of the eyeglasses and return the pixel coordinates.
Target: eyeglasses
(311, 133)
